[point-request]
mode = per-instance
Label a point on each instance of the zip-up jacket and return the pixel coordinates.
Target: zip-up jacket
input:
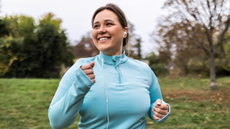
(132, 89)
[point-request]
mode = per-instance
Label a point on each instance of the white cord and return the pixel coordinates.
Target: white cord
(105, 82)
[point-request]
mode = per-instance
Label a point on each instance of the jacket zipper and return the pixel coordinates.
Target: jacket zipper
(119, 73)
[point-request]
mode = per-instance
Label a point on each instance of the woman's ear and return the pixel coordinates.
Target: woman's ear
(125, 32)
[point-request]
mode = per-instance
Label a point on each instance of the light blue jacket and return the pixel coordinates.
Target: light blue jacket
(132, 90)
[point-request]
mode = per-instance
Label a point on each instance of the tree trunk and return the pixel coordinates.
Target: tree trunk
(212, 71)
(185, 67)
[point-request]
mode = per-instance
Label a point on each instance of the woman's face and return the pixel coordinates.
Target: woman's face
(107, 33)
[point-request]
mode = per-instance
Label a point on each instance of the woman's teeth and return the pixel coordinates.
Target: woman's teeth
(103, 38)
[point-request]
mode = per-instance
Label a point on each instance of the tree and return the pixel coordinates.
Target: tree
(11, 41)
(155, 64)
(138, 46)
(183, 51)
(37, 49)
(207, 18)
(135, 42)
(3, 30)
(227, 50)
(53, 47)
(8, 47)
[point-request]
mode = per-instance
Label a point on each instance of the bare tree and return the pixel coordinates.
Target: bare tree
(135, 45)
(202, 22)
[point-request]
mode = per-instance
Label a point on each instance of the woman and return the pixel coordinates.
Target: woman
(109, 90)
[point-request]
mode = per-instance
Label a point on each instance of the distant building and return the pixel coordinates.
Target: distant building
(85, 48)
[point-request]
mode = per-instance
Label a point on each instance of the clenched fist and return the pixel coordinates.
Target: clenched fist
(160, 110)
(88, 70)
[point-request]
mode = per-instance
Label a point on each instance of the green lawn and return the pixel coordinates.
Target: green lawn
(24, 103)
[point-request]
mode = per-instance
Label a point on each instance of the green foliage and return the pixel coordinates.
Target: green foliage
(40, 49)
(19, 25)
(3, 53)
(3, 30)
(227, 51)
(9, 52)
(158, 68)
(155, 64)
(153, 58)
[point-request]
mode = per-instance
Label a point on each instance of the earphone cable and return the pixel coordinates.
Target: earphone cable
(105, 82)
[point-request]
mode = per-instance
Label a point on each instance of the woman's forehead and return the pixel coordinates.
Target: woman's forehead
(106, 15)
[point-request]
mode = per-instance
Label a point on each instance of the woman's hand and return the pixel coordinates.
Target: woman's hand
(88, 70)
(160, 110)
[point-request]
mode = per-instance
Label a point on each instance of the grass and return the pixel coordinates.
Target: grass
(24, 103)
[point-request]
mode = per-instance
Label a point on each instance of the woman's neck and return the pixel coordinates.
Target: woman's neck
(112, 54)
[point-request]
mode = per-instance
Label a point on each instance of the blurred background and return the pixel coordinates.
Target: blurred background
(185, 42)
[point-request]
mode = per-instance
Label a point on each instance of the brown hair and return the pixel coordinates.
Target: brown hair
(120, 14)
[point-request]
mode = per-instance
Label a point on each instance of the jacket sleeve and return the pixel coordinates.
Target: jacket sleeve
(155, 93)
(69, 97)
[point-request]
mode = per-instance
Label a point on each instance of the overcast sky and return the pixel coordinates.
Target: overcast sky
(76, 15)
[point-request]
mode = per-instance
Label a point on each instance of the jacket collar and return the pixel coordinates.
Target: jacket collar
(113, 60)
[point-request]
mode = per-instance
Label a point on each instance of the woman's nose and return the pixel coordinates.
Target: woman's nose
(102, 30)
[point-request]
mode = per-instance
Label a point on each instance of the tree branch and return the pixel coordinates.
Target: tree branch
(221, 36)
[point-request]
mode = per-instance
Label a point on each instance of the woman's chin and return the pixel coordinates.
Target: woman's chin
(104, 49)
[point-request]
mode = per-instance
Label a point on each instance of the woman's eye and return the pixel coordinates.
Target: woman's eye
(95, 26)
(109, 24)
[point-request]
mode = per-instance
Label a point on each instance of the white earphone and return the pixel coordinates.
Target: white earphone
(124, 34)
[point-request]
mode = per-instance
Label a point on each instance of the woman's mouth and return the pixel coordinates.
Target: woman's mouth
(104, 39)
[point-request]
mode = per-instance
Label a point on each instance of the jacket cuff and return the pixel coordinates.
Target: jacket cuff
(165, 117)
(83, 78)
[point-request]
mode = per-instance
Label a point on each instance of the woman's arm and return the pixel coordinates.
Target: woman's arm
(69, 97)
(155, 94)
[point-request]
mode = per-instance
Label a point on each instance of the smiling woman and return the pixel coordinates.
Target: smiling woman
(108, 33)
(109, 90)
